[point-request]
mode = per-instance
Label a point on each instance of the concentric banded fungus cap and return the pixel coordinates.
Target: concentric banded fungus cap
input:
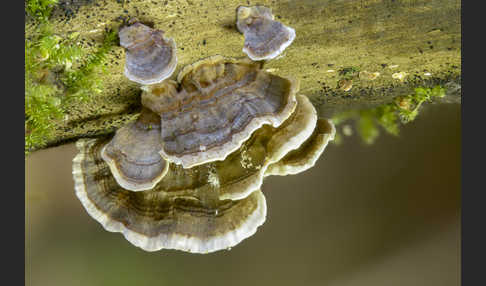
(243, 170)
(307, 154)
(150, 57)
(218, 104)
(133, 153)
(176, 214)
(265, 38)
(206, 208)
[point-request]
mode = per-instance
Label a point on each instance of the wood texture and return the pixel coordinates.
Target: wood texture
(420, 38)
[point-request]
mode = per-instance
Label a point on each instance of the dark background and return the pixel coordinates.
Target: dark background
(385, 214)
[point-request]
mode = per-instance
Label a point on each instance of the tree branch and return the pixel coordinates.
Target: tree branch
(419, 38)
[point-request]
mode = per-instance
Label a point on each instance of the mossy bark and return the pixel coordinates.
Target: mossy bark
(421, 38)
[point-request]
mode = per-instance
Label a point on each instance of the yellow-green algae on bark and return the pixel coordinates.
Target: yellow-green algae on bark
(422, 39)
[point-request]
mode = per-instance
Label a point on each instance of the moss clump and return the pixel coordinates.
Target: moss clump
(46, 56)
(402, 110)
(40, 9)
(84, 81)
(408, 106)
(57, 72)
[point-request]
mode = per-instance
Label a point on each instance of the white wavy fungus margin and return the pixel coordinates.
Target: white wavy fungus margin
(165, 241)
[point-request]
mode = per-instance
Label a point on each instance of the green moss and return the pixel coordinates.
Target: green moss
(46, 55)
(408, 106)
(83, 82)
(389, 116)
(40, 9)
(367, 128)
(57, 72)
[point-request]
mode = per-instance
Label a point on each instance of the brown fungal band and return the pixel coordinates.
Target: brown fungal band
(305, 157)
(133, 153)
(175, 214)
(243, 171)
(150, 57)
(226, 124)
(208, 207)
(215, 106)
(265, 38)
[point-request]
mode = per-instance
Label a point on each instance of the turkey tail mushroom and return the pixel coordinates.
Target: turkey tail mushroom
(218, 103)
(133, 153)
(305, 157)
(169, 216)
(265, 38)
(150, 57)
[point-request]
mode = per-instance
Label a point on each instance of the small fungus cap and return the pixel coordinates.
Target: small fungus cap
(306, 155)
(265, 38)
(215, 106)
(150, 57)
(175, 214)
(243, 171)
(133, 154)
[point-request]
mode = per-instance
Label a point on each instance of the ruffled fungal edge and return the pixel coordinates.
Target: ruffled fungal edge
(276, 52)
(164, 241)
(164, 75)
(306, 160)
(290, 138)
(131, 186)
(212, 59)
(220, 153)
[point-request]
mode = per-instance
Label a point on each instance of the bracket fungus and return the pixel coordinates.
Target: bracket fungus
(305, 157)
(150, 57)
(206, 208)
(187, 174)
(244, 170)
(202, 209)
(177, 213)
(265, 38)
(133, 153)
(215, 106)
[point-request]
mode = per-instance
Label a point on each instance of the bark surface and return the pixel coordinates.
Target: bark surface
(419, 38)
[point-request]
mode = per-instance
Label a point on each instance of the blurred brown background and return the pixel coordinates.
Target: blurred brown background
(385, 214)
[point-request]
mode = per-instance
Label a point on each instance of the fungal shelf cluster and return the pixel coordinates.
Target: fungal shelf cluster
(187, 174)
